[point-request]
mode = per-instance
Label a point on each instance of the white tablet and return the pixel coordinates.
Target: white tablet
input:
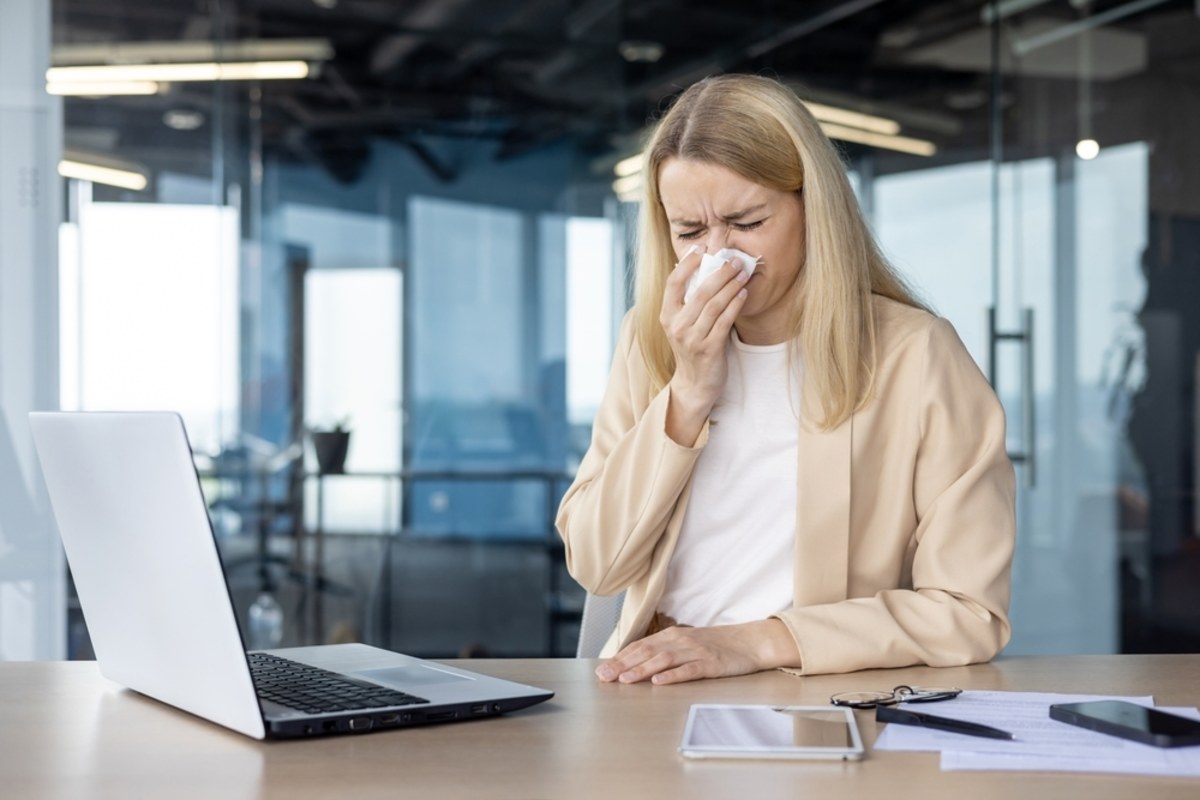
(781, 732)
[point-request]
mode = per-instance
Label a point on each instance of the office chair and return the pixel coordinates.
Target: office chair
(600, 615)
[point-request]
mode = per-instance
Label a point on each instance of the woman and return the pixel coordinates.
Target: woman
(800, 467)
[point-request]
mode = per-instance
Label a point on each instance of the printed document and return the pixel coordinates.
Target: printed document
(1041, 743)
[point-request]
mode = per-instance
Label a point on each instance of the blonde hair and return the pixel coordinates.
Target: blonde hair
(759, 129)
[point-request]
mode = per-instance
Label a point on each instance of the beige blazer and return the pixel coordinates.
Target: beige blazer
(905, 517)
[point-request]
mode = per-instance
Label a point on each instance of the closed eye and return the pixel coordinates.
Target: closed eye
(740, 226)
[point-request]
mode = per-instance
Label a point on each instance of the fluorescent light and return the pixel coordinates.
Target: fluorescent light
(628, 188)
(855, 119)
(628, 184)
(903, 144)
(102, 88)
(170, 73)
(183, 119)
(1087, 149)
(629, 166)
(640, 51)
(174, 51)
(95, 173)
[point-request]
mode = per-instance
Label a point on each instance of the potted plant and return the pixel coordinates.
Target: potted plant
(331, 446)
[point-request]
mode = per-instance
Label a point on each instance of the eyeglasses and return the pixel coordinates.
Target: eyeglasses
(900, 694)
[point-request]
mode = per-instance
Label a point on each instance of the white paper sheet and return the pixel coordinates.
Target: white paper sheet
(1041, 744)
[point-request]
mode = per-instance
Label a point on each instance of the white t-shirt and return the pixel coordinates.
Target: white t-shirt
(734, 560)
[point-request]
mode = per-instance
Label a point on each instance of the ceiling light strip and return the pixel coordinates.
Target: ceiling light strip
(902, 144)
(95, 173)
(102, 88)
(629, 166)
(171, 73)
(854, 119)
(628, 170)
(315, 49)
(628, 188)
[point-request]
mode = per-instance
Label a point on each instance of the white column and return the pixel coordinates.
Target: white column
(32, 580)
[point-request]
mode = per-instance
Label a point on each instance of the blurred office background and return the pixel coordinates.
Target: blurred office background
(411, 220)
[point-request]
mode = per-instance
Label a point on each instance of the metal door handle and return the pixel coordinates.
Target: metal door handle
(1028, 454)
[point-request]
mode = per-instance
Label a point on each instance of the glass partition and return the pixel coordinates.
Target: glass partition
(413, 231)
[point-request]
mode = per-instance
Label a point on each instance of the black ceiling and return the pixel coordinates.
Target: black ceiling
(522, 73)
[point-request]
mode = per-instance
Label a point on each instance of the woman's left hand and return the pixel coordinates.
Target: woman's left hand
(683, 654)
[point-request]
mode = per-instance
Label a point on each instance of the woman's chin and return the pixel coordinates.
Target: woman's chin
(752, 305)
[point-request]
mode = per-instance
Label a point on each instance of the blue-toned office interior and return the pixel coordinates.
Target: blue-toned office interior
(376, 254)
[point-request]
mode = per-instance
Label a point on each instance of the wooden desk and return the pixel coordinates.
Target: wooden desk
(65, 732)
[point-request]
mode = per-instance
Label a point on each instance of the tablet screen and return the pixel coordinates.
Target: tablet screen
(771, 731)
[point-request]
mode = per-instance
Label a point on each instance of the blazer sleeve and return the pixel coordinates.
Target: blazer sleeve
(964, 497)
(629, 482)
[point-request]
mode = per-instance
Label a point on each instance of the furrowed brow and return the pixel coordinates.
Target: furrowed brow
(734, 217)
(746, 212)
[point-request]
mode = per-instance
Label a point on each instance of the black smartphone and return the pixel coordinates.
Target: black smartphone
(1130, 721)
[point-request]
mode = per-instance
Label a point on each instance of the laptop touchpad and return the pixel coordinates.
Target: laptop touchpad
(410, 675)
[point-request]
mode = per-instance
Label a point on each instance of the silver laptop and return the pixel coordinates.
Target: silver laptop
(137, 536)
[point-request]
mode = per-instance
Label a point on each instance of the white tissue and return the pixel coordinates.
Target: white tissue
(711, 262)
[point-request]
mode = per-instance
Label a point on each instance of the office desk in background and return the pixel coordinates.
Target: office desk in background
(65, 732)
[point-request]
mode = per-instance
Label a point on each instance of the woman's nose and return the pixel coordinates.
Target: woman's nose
(718, 239)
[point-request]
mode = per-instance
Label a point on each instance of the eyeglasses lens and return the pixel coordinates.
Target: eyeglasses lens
(862, 699)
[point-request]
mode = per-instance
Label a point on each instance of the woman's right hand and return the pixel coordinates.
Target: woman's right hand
(698, 333)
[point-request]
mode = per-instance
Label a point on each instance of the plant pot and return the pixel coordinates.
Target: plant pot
(331, 448)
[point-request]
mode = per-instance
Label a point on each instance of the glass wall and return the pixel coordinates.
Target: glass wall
(398, 228)
(1046, 251)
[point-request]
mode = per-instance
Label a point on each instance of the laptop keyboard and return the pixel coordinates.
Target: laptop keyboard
(318, 691)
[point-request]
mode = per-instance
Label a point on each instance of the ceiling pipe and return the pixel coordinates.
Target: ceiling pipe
(392, 52)
(482, 49)
(1024, 46)
(810, 25)
(579, 25)
(993, 12)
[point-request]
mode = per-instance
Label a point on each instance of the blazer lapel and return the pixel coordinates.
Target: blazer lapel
(822, 507)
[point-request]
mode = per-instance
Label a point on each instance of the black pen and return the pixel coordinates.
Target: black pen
(905, 717)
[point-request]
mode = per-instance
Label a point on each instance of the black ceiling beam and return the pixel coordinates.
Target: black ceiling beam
(443, 172)
(767, 38)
